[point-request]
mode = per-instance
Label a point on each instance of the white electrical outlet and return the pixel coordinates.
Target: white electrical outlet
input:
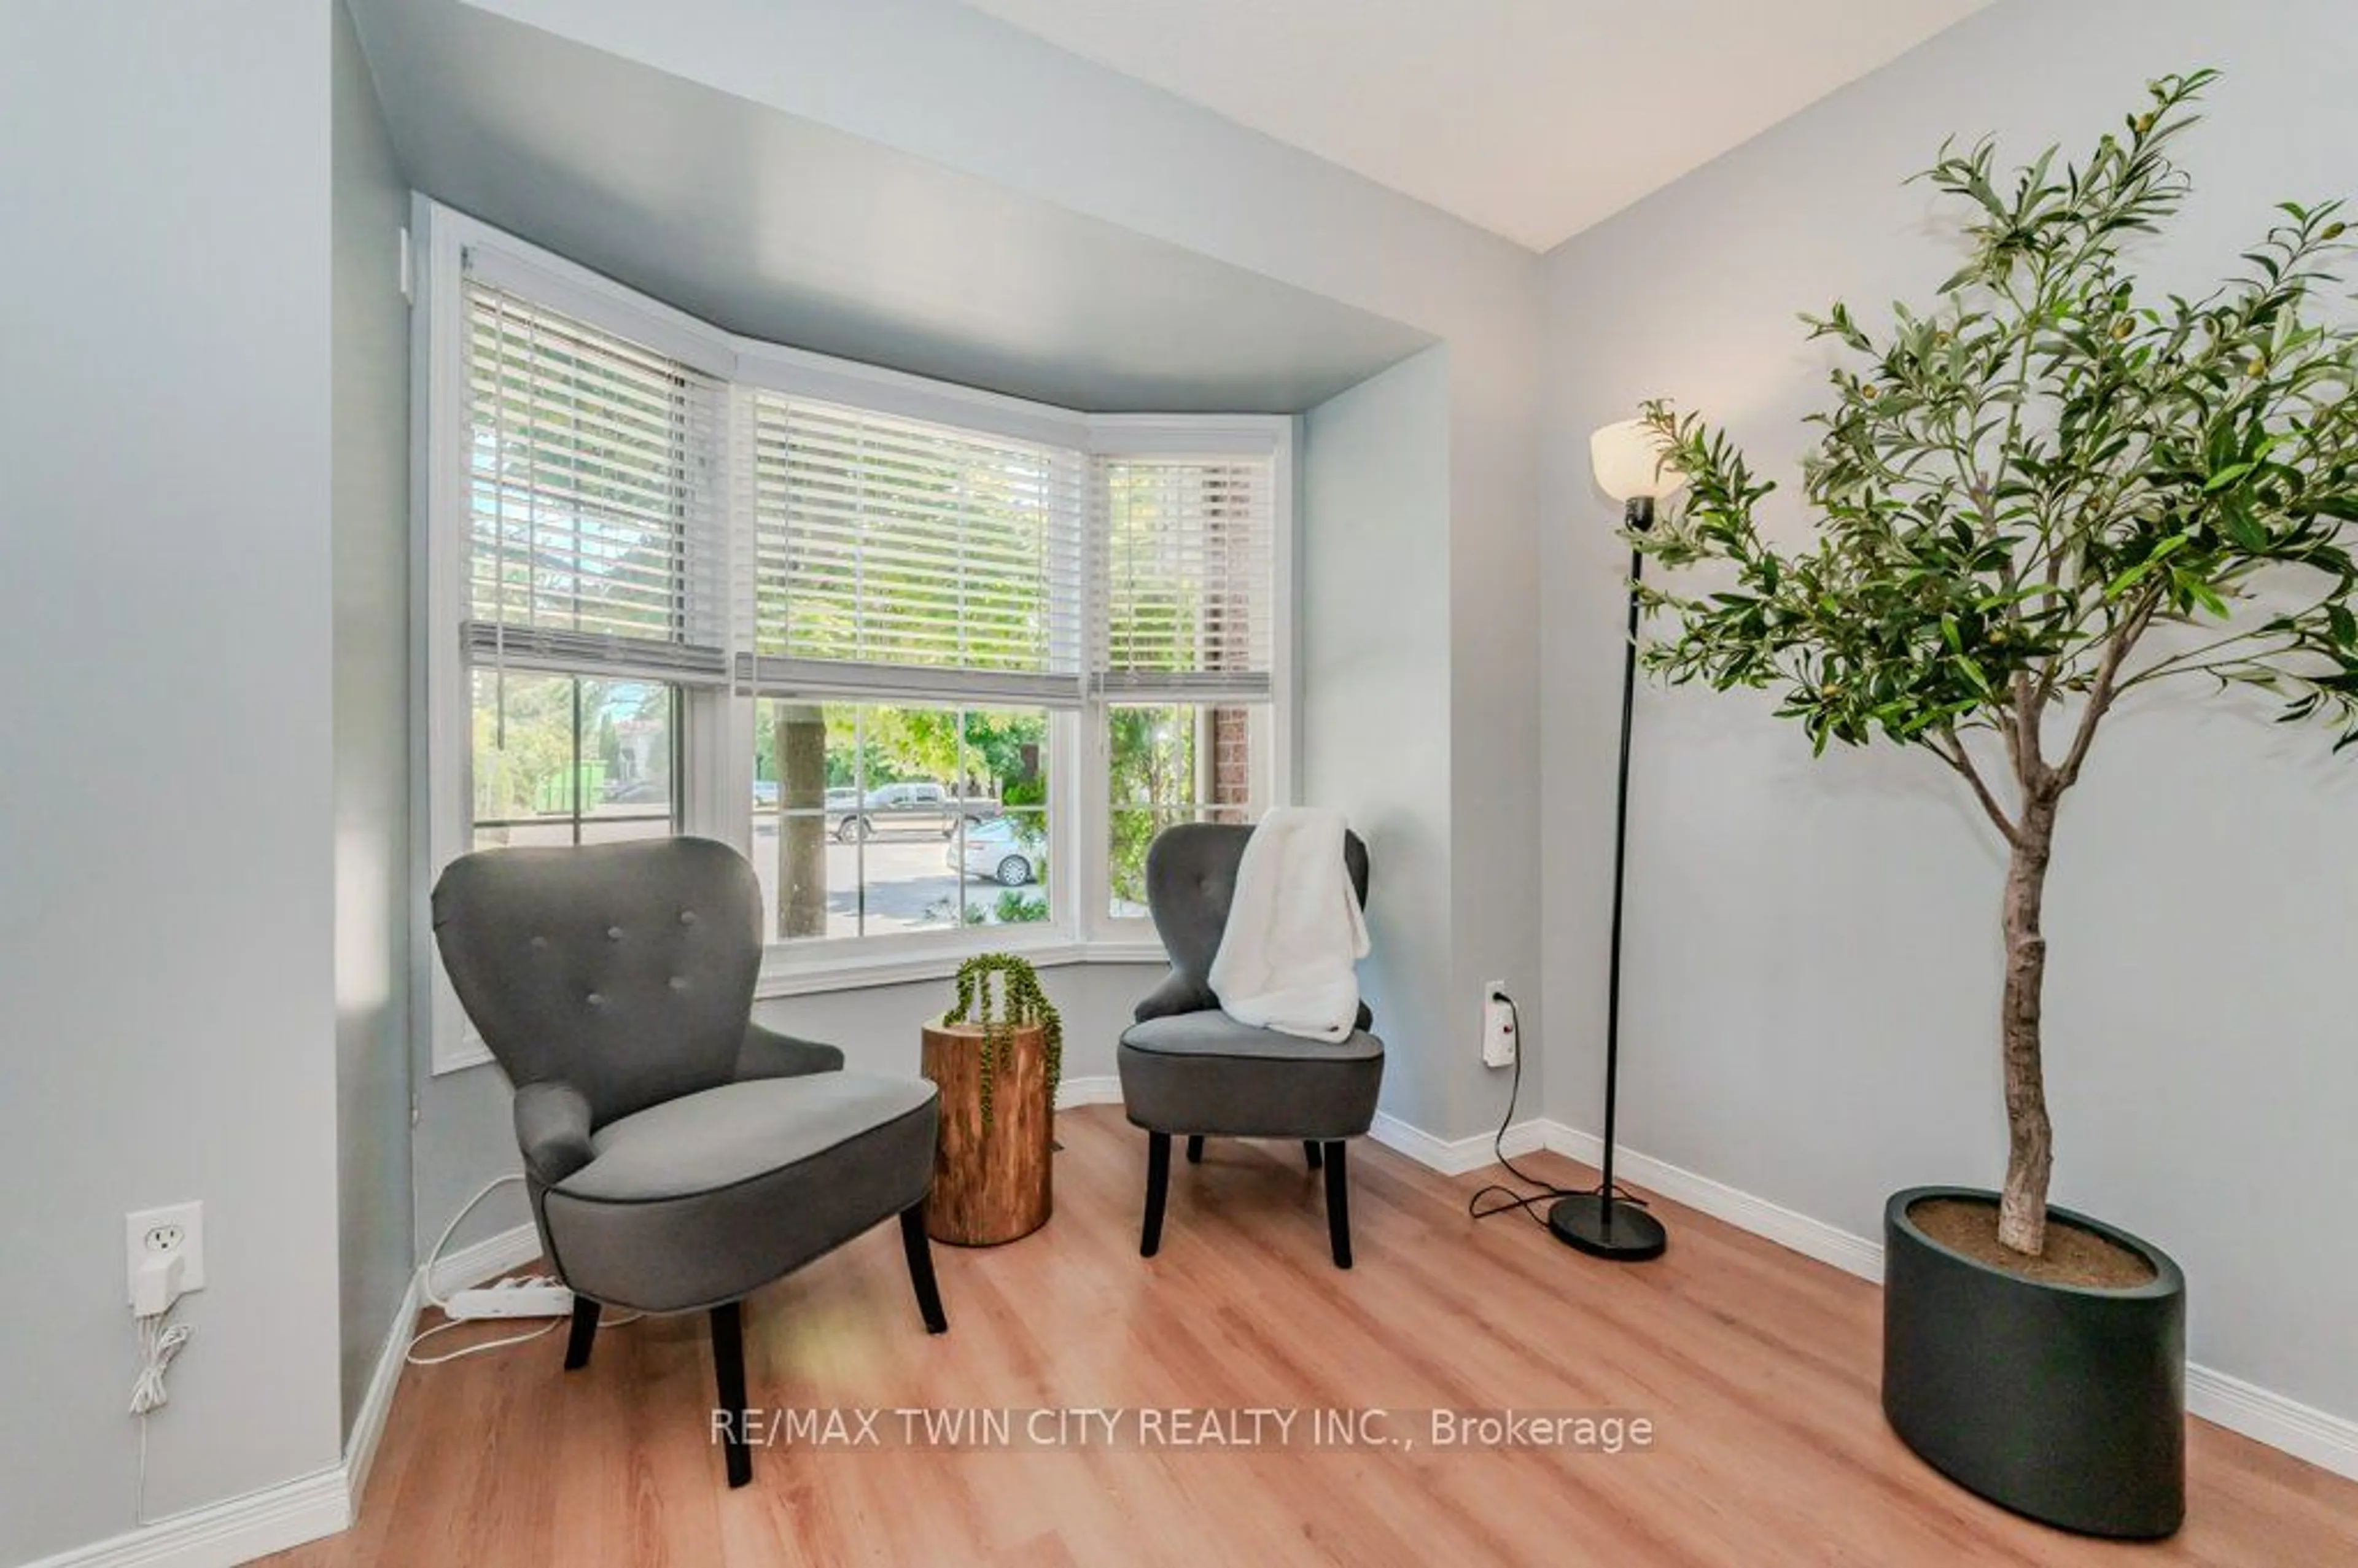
(1498, 1027)
(159, 1234)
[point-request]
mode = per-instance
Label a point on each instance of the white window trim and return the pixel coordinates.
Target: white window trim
(1200, 436)
(717, 741)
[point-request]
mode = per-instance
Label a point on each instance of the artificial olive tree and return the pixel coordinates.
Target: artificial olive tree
(2045, 492)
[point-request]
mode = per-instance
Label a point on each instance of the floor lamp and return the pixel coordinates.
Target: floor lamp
(1630, 469)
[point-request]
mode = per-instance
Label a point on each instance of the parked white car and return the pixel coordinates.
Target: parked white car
(1002, 850)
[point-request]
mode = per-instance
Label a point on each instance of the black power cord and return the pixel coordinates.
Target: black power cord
(1510, 1199)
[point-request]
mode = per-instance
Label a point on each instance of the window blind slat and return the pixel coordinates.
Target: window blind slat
(597, 494)
(881, 549)
(598, 536)
(1185, 595)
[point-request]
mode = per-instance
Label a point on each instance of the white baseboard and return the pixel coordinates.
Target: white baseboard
(1799, 1233)
(2326, 1440)
(1453, 1156)
(484, 1262)
(1103, 1091)
(237, 1529)
(376, 1405)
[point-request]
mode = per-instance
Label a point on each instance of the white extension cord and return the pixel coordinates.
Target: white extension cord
(535, 1297)
(160, 1339)
(530, 1295)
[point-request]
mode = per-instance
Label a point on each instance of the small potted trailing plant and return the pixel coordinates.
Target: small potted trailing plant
(997, 1055)
(2040, 497)
(999, 1011)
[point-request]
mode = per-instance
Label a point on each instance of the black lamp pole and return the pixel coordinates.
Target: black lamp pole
(1598, 1222)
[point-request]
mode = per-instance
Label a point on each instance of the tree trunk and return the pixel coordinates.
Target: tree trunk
(800, 746)
(2031, 1154)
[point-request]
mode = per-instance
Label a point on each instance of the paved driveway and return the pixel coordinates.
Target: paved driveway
(902, 880)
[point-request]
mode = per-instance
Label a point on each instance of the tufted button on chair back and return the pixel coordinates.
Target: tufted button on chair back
(625, 970)
(1190, 879)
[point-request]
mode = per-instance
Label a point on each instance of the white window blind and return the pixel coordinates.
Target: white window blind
(596, 526)
(1186, 592)
(894, 557)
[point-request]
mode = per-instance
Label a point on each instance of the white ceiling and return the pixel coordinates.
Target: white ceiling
(784, 229)
(1531, 118)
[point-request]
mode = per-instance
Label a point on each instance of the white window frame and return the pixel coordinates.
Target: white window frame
(717, 726)
(1207, 436)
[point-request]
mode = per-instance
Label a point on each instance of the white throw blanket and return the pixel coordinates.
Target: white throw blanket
(1294, 930)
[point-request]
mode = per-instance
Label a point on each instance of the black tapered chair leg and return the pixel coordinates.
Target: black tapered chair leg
(1338, 1204)
(584, 1334)
(1196, 1148)
(920, 1249)
(1310, 1152)
(1158, 1185)
(729, 1365)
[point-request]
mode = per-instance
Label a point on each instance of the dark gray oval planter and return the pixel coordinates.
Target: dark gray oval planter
(2065, 1404)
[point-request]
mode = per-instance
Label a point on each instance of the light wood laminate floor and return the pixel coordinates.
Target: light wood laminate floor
(1757, 1366)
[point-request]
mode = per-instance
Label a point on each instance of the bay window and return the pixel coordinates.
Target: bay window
(940, 662)
(1169, 763)
(1187, 632)
(572, 758)
(874, 819)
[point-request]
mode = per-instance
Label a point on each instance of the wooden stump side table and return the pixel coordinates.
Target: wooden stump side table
(989, 1185)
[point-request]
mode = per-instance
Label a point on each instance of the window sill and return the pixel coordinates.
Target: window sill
(814, 977)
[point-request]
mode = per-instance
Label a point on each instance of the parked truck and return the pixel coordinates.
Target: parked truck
(916, 807)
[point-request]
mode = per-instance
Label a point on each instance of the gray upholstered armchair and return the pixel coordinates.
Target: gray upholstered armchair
(1189, 1068)
(679, 1156)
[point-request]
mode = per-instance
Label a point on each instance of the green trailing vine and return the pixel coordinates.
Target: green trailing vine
(1015, 1002)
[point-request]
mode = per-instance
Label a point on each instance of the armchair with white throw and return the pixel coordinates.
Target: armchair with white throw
(1258, 1031)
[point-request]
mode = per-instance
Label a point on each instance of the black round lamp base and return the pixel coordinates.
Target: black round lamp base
(1616, 1230)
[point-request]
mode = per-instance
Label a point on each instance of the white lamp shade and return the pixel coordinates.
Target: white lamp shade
(1628, 463)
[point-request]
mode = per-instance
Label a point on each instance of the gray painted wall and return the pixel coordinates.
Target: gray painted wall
(1374, 633)
(1498, 597)
(166, 820)
(370, 421)
(1814, 980)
